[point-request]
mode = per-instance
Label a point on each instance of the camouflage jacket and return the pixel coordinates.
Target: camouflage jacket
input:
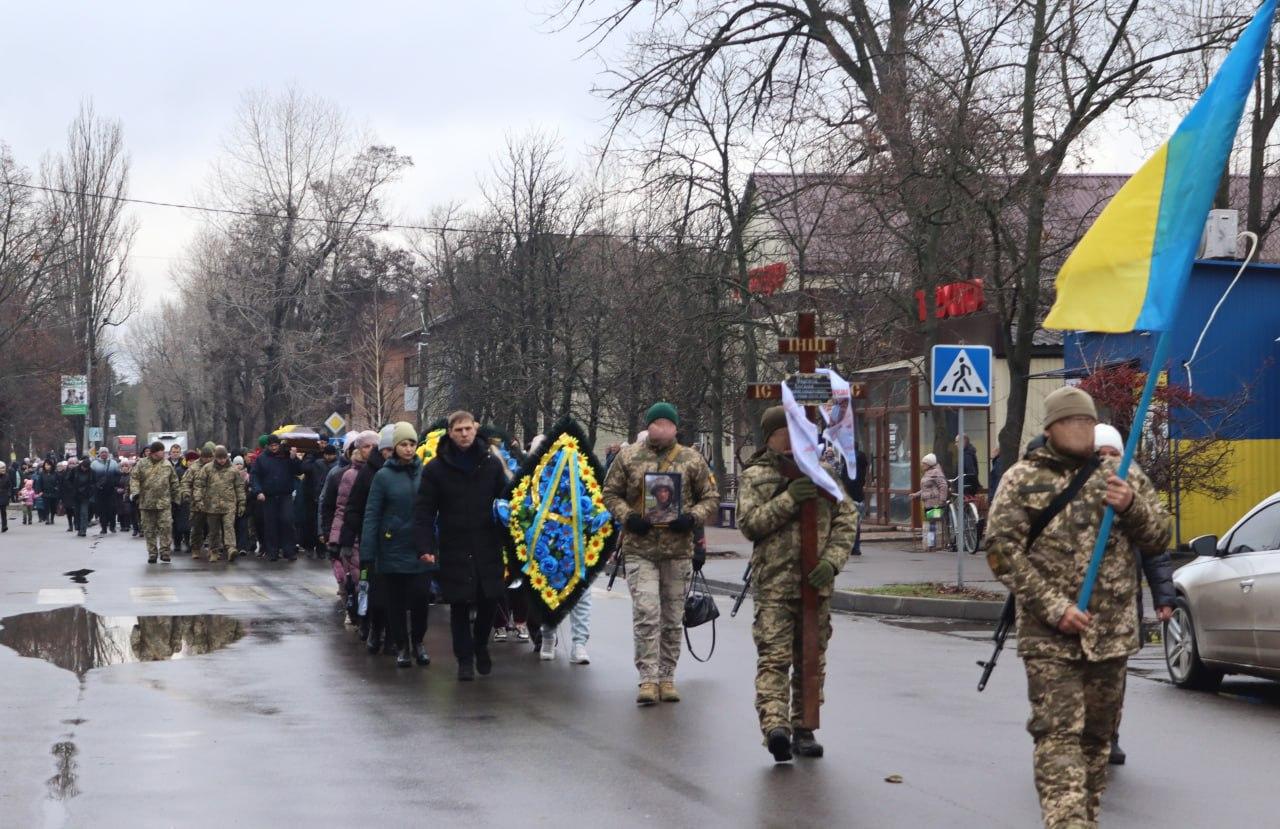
(154, 484)
(624, 494)
(770, 518)
(219, 489)
(1047, 578)
(188, 485)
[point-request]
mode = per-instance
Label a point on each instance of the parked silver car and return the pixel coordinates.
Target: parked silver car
(1227, 616)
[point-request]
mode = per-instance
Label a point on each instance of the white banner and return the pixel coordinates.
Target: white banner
(841, 430)
(804, 445)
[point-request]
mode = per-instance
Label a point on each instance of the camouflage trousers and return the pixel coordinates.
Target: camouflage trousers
(1075, 705)
(776, 631)
(200, 522)
(157, 528)
(221, 528)
(657, 613)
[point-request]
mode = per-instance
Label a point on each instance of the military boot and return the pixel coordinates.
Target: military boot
(804, 745)
(667, 691)
(1117, 757)
(779, 743)
(648, 694)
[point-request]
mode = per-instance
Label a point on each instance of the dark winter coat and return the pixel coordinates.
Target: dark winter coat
(78, 487)
(387, 539)
(329, 495)
(181, 512)
(6, 489)
(274, 475)
(856, 486)
(353, 519)
(47, 483)
(314, 471)
(1159, 573)
(454, 520)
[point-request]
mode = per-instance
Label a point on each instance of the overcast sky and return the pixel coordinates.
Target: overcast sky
(443, 80)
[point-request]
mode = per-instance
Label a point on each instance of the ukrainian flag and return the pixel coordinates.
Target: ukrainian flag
(1129, 270)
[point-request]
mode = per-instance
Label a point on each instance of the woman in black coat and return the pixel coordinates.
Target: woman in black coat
(453, 519)
(78, 488)
(47, 485)
(373, 626)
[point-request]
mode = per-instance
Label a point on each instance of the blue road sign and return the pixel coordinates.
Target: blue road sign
(961, 375)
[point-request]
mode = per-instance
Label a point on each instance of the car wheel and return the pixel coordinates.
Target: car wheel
(1182, 653)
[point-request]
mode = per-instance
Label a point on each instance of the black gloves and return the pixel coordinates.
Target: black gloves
(637, 524)
(682, 524)
(699, 557)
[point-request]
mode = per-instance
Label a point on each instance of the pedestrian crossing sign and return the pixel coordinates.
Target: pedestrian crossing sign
(961, 375)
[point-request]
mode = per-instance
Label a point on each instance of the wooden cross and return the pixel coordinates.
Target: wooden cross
(806, 346)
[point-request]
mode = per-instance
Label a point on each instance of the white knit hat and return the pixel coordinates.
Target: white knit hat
(1104, 434)
(930, 459)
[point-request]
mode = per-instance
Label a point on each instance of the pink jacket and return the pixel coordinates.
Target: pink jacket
(28, 495)
(344, 492)
(933, 488)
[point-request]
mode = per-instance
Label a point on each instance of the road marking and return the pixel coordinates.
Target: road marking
(243, 593)
(324, 591)
(60, 595)
(152, 594)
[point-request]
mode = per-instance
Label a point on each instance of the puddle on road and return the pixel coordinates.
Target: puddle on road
(80, 640)
(78, 576)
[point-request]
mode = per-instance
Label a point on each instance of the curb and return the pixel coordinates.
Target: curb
(847, 601)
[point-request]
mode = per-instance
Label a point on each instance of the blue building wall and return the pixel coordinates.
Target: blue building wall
(1239, 350)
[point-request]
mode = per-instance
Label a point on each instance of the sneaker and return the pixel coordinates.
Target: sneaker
(402, 658)
(522, 632)
(151, 559)
(779, 743)
(667, 691)
(421, 655)
(579, 655)
(500, 634)
(548, 650)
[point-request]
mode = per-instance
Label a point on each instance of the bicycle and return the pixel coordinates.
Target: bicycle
(971, 520)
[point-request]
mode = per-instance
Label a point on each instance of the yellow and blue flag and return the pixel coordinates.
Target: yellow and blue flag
(1129, 270)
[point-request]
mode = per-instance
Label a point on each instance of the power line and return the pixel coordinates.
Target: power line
(355, 223)
(371, 225)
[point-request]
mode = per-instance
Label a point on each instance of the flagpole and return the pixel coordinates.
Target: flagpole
(1158, 358)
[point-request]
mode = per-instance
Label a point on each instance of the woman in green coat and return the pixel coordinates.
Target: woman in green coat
(387, 543)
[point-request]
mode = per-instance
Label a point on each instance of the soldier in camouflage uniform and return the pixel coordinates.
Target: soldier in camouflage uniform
(1075, 660)
(220, 488)
(191, 494)
(154, 485)
(659, 560)
(769, 515)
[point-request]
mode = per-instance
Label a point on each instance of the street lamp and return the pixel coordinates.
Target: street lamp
(421, 374)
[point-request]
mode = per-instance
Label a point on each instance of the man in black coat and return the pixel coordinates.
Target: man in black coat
(274, 474)
(453, 521)
(79, 489)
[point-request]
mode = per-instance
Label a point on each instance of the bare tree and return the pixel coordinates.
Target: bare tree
(86, 186)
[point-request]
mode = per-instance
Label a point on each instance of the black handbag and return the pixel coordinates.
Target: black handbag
(699, 608)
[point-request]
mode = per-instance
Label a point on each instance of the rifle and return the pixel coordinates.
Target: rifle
(1001, 634)
(617, 565)
(1041, 521)
(746, 584)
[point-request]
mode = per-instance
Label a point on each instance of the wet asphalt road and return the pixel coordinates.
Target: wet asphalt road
(294, 724)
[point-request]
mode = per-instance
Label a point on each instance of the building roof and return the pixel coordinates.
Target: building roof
(837, 224)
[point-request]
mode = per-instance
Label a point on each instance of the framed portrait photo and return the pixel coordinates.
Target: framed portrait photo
(662, 497)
